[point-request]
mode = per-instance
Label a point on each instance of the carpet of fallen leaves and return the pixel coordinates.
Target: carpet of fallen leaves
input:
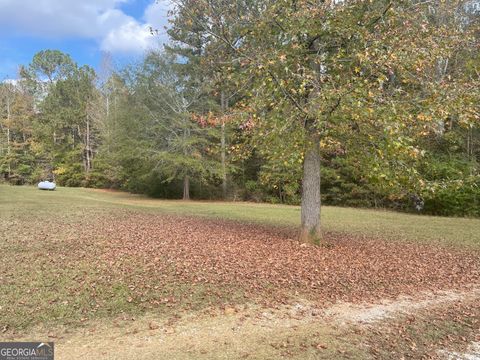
(258, 260)
(126, 261)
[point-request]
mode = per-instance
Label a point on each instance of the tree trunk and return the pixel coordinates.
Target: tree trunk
(310, 231)
(8, 151)
(24, 137)
(8, 135)
(310, 212)
(223, 146)
(186, 188)
(88, 150)
(224, 167)
(107, 106)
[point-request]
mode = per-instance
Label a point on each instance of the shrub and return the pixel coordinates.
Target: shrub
(457, 198)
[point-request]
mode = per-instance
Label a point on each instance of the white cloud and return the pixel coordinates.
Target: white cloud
(13, 82)
(130, 37)
(157, 13)
(101, 20)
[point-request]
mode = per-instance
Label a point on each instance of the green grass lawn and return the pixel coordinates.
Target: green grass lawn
(68, 203)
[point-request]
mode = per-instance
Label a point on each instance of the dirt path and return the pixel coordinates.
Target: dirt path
(472, 353)
(301, 330)
(370, 313)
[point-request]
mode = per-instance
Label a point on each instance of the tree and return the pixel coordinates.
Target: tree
(49, 65)
(212, 59)
(326, 68)
(7, 94)
(16, 114)
(65, 95)
(180, 145)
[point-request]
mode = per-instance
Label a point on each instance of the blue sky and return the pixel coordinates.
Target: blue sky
(82, 28)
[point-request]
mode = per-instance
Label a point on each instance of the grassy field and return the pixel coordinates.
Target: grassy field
(77, 259)
(70, 202)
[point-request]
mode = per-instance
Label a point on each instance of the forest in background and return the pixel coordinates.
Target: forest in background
(214, 115)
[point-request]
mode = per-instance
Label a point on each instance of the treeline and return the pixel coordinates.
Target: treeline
(227, 110)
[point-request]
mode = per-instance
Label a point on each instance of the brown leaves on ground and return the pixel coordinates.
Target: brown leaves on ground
(126, 262)
(261, 261)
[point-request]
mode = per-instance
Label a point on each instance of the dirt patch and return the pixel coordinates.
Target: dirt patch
(472, 353)
(445, 330)
(348, 313)
(302, 330)
(234, 333)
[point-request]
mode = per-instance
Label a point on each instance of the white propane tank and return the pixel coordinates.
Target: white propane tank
(46, 185)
